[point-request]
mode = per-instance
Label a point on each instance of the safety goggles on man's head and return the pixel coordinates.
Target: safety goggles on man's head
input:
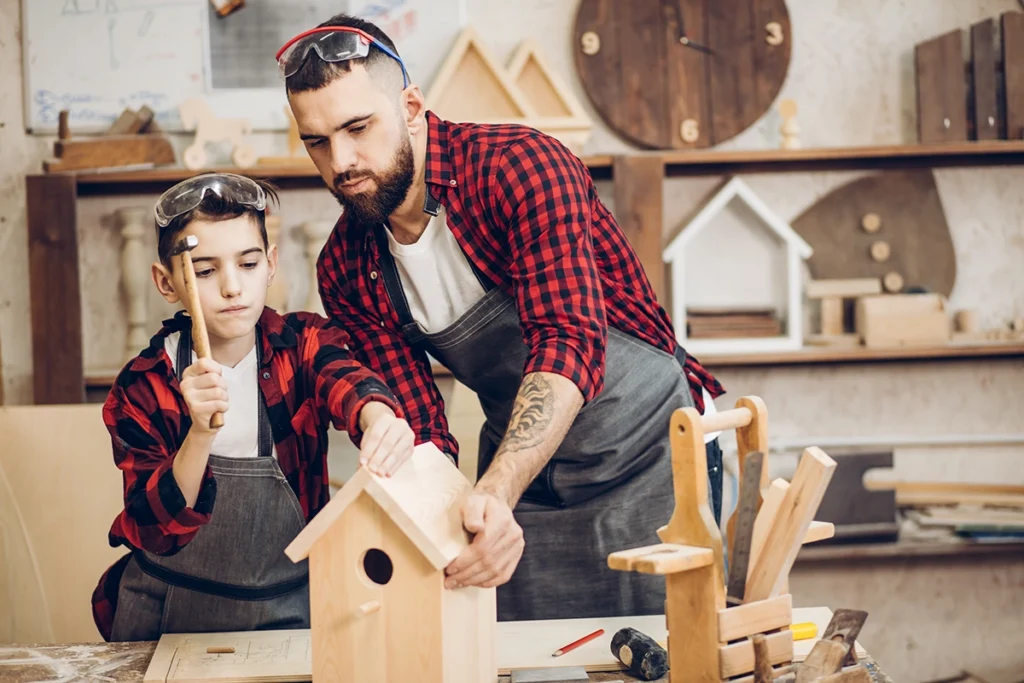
(188, 194)
(331, 44)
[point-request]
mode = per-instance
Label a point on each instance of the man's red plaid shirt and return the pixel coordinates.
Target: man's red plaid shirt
(526, 214)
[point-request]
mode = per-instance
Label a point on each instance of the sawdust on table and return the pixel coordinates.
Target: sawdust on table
(71, 663)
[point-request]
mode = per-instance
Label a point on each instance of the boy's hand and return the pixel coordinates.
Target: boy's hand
(387, 440)
(205, 392)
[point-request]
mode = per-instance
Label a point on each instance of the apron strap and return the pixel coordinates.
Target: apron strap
(184, 359)
(393, 285)
(224, 590)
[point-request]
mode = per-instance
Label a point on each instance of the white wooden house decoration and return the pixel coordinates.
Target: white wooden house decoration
(707, 267)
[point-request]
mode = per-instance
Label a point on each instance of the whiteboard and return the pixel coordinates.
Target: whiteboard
(97, 57)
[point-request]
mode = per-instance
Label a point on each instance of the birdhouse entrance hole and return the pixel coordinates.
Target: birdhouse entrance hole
(377, 566)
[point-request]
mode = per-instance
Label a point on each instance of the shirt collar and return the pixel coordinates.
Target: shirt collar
(438, 169)
(273, 334)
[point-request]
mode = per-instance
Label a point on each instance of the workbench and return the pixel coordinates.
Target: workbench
(127, 663)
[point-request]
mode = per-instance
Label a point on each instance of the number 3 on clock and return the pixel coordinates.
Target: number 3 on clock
(774, 33)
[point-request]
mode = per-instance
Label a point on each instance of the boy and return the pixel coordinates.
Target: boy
(208, 512)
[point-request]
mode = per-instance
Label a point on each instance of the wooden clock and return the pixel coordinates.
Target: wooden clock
(670, 74)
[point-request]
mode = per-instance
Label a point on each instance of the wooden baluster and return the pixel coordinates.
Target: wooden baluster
(277, 294)
(316, 233)
(134, 278)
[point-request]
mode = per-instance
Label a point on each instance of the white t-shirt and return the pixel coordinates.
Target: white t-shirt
(239, 437)
(439, 283)
(441, 286)
(709, 409)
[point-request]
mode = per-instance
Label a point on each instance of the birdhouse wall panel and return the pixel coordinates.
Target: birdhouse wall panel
(470, 635)
(369, 624)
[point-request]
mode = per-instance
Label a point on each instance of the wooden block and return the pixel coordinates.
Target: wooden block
(128, 123)
(987, 120)
(836, 340)
(845, 288)
(110, 152)
(663, 558)
(819, 531)
(765, 519)
(1013, 73)
(902, 319)
(791, 523)
(738, 658)
(941, 90)
(831, 316)
(755, 617)
(691, 614)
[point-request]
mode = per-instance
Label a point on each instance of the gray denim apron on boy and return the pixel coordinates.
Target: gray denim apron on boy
(233, 575)
(609, 485)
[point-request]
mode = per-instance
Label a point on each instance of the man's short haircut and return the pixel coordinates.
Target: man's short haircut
(315, 73)
(213, 209)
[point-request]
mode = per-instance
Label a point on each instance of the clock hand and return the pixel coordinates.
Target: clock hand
(696, 46)
(684, 40)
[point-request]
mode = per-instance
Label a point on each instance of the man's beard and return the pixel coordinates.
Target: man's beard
(372, 208)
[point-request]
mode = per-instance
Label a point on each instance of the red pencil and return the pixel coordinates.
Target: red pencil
(576, 643)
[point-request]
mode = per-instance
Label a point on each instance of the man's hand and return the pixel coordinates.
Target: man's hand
(387, 439)
(497, 544)
(205, 392)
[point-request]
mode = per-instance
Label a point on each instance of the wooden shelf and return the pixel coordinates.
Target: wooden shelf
(825, 355)
(288, 177)
(815, 356)
(905, 549)
(677, 163)
(993, 153)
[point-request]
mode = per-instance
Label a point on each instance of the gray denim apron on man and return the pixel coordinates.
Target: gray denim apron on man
(233, 575)
(609, 485)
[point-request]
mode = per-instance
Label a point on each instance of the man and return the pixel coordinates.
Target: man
(487, 248)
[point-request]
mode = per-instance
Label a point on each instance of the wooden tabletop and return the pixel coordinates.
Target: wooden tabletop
(127, 663)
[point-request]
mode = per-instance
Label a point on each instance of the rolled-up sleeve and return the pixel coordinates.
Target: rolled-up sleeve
(541, 194)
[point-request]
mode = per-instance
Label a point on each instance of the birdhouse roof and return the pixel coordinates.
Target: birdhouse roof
(423, 499)
(733, 189)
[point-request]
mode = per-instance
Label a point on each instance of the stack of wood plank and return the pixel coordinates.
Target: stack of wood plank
(980, 512)
(725, 323)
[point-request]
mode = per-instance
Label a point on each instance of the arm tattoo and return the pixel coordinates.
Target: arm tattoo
(545, 408)
(531, 414)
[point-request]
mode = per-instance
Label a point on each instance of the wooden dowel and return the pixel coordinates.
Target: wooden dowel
(727, 419)
(369, 607)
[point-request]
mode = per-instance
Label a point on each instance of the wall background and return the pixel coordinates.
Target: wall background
(852, 76)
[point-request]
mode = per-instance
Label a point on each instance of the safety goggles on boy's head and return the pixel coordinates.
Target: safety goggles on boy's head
(189, 194)
(331, 44)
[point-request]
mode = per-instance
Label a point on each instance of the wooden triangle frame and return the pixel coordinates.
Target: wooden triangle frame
(572, 129)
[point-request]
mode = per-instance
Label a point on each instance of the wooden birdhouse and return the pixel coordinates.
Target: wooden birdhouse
(379, 610)
(737, 274)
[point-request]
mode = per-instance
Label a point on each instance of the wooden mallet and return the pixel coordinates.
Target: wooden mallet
(200, 339)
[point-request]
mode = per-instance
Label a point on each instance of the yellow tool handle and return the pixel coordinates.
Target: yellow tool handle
(804, 630)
